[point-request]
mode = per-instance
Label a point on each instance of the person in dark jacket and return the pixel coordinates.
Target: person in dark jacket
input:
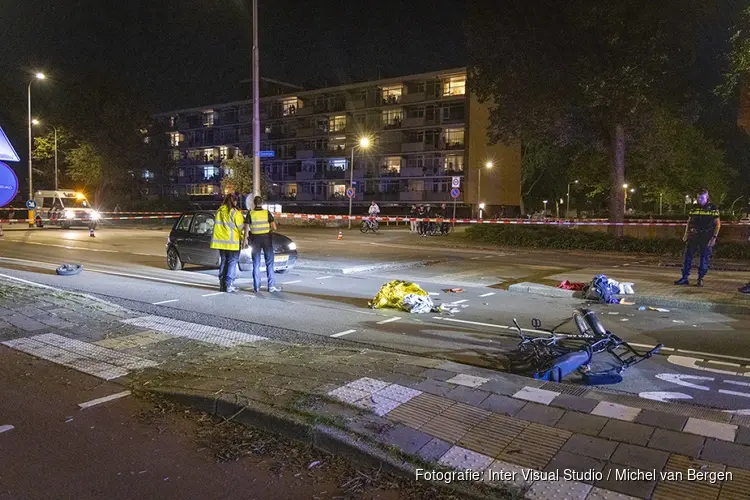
(701, 233)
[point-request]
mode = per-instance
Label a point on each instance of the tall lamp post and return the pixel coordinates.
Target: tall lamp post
(625, 202)
(487, 165)
(256, 104)
(38, 76)
(37, 122)
(364, 143)
(567, 207)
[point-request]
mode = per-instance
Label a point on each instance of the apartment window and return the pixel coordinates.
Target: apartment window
(181, 172)
(208, 118)
(337, 143)
(454, 112)
(454, 163)
(417, 112)
(393, 164)
(360, 118)
(454, 137)
(208, 155)
(392, 94)
(419, 87)
(337, 164)
(268, 128)
(337, 124)
(393, 117)
(172, 121)
(194, 154)
(175, 138)
(416, 161)
(305, 187)
(209, 172)
(176, 155)
(416, 185)
(223, 152)
(454, 86)
(148, 175)
(289, 106)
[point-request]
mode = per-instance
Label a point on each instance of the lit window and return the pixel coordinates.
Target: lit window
(392, 94)
(289, 106)
(454, 136)
(268, 129)
(176, 155)
(208, 155)
(209, 172)
(454, 163)
(454, 86)
(337, 124)
(223, 152)
(208, 118)
(337, 164)
(393, 164)
(172, 121)
(148, 175)
(175, 138)
(393, 117)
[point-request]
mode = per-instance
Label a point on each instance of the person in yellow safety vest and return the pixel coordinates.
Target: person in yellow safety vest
(228, 238)
(260, 224)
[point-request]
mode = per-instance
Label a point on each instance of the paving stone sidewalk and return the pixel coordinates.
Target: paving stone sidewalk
(522, 436)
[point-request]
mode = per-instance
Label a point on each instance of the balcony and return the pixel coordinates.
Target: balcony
(387, 172)
(335, 174)
(411, 147)
(304, 111)
(454, 145)
(304, 154)
(413, 97)
(305, 176)
(412, 172)
(417, 121)
(355, 104)
(395, 124)
(305, 132)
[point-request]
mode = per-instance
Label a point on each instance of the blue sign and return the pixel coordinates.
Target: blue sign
(8, 184)
(7, 153)
(455, 193)
(350, 193)
(266, 154)
(30, 204)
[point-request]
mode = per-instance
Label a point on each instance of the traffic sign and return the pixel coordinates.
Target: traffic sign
(455, 193)
(7, 152)
(8, 184)
(350, 193)
(30, 204)
(266, 154)
(456, 182)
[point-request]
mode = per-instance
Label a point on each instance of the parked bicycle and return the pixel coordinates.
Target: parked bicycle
(553, 355)
(369, 224)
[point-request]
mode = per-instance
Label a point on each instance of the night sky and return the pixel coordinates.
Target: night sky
(180, 53)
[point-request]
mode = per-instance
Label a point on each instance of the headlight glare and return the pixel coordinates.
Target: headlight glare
(69, 214)
(292, 246)
(94, 215)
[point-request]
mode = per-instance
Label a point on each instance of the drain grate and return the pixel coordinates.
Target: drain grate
(572, 390)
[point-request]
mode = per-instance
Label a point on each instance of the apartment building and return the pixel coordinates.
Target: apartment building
(424, 130)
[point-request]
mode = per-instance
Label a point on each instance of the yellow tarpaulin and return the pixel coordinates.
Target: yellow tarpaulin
(392, 294)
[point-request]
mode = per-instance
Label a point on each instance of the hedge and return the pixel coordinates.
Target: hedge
(571, 239)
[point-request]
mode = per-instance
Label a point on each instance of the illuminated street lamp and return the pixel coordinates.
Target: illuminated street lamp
(488, 166)
(568, 204)
(38, 76)
(481, 210)
(37, 122)
(364, 143)
(545, 208)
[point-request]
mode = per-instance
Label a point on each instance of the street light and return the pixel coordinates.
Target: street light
(567, 206)
(481, 210)
(364, 143)
(487, 165)
(37, 122)
(38, 76)
(545, 208)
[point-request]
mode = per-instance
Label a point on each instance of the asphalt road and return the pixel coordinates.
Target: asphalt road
(327, 295)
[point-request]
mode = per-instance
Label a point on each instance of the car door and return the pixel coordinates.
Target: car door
(201, 231)
(180, 238)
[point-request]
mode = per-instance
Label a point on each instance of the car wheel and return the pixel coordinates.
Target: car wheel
(173, 260)
(69, 269)
(282, 271)
(65, 225)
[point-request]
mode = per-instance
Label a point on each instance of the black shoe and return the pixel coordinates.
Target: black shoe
(700, 283)
(682, 281)
(745, 289)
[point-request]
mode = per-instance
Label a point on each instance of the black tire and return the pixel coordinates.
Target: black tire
(364, 227)
(65, 225)
(69, 269)
(281, 271)
(174, 262)
(38, 222)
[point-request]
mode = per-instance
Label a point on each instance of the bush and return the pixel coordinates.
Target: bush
(571, 239)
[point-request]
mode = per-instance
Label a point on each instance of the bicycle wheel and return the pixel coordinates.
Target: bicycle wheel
(364, 227)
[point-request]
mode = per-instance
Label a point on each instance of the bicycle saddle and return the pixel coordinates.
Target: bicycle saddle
(593, 321)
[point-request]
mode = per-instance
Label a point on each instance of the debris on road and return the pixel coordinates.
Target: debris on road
(409, 297)
(572, 285)
(453, 290)
(69, 269)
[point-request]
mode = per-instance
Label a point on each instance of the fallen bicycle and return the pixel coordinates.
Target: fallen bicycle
(553, 356)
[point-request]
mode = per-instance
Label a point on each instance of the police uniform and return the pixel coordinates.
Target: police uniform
(703, 226)
(227, 239)
(259, 221)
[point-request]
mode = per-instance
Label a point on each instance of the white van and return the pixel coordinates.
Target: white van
(65, 208)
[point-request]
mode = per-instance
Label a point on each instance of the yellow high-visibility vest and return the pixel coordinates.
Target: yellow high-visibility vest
(259, 222)
(228, 228)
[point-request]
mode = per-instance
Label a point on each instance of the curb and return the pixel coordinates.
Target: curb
(321, 437)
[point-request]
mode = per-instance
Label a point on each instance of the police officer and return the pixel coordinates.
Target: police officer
(259, 224)
(228, 239)
(701, 233)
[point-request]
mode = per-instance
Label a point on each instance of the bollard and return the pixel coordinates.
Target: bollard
(91, 232)
(341, 236)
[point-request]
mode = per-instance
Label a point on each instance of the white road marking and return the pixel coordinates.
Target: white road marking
(341, 334)
(291, 282)
(738, 412)
(324, 277)
(476, 258)
(724, 363)
(488, 256)
(688, 362)
(734, 393)
(94, 402)
(490, 294)
(458, 302)
(734, 382)
(165, 302)
(151, 278)
(29, 282)
(389, 320)
(194, 331)
(6, 428)
(679, 379)
(699, 353)
(664, 397)
(434, 293)
(212, 294)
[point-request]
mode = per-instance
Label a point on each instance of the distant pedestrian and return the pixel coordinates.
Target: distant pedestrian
(117, 209)
(228, 239)
(412, 215)
(701, 233)
(259, 226)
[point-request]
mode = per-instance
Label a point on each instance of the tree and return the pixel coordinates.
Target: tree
(43, 155)
(87, 166)
(585, 73)
(240, 177)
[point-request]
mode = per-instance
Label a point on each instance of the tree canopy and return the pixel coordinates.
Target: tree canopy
(240, 176)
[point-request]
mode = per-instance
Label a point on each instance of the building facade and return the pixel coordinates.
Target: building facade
(424, 130)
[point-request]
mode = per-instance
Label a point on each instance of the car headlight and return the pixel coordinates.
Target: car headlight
(94, 215)
(292, 246)
(69, 214)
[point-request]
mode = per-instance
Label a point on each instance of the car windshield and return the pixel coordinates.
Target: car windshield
(76, 203)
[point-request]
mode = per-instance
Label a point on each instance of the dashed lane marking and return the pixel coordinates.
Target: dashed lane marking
(389, 320)
(165, 302)
(6, 428)
(111, 397)
(490, 294)
(324, 277)
(152, 278)
(212, 294)
(734, 382)
(341, 334)
(734, 393)
(291, 282)
(458, 302)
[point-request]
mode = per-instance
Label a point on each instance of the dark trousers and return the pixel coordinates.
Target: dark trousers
(227, 268)
(697, 244)
(262, 244)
